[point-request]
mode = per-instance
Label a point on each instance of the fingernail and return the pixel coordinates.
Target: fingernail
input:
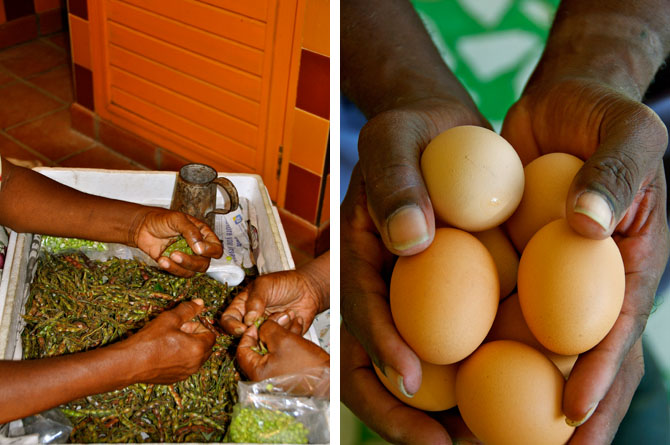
(393, 376)
(198, 301)
(588, 415)
(283, 320)
(239, 331)
(250, 317)
(164, 263)
(199, 247)
(596, 207)
(407, 227)
(176, 258)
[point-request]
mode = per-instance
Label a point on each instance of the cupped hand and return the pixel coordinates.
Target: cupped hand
(287, 351)
(172, 346)
(396, 422)
(158, 228)
(620, 191)
(390, 147)
(289, 292)
(387, 211)
(602, 426)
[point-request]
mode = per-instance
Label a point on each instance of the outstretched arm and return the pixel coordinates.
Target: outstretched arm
(31, 202)
(168, 349)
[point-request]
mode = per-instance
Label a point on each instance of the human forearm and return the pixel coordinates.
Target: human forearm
(31, 386)
(31, 202)
(619, 43)
(169, 348)
(389, 60)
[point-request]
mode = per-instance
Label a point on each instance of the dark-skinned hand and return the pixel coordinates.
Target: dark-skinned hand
(620, 191)
(159, 228)
(170, 347)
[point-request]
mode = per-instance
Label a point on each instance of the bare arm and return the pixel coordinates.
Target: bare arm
(389, 60)
(31, 202)
(168, 349)
(620, 43)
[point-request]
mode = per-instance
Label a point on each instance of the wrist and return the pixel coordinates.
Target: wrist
(620, 51)
(136, 223)
(316, 276)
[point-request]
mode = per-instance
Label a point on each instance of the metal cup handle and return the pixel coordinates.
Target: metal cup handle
(233, 197)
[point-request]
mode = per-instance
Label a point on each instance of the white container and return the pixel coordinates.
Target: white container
(149, 188)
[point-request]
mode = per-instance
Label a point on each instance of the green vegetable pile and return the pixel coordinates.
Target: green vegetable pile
(76, 304)
(56, 244)
(261, 425)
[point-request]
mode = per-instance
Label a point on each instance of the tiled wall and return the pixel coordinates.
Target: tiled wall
(82, 111)
(308, 182)
(24, 20)
(305, 207)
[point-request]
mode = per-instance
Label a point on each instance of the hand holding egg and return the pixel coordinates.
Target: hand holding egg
(620, 190)
(552, 263)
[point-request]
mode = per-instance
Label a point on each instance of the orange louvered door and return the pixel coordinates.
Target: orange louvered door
(207, 79)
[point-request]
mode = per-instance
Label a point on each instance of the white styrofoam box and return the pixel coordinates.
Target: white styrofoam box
(148, 188)
(143, 187)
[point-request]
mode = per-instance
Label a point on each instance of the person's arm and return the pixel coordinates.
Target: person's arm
(392, 71)
(621, 44)
(388, 59)
(168, 349)
(31, 202)
(584, 99)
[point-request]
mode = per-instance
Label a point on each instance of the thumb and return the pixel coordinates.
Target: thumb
(626, 159)
(250, 361)
(271, 333)
(255, 305)
(187, 310)
(397, 198)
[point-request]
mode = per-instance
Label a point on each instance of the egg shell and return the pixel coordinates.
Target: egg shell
(444, 299)
(504, 255)
(547, 181)
(437, 391)
(510, 325)
(473, 176)
(571, 288)
(509, 393)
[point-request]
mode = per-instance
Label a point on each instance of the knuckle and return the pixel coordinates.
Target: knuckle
(652, 128)
(621, 173)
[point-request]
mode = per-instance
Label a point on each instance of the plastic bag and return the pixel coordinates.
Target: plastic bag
(51, 426)
(283, 410)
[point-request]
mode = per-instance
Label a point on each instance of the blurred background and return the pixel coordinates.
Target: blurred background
(492, 46)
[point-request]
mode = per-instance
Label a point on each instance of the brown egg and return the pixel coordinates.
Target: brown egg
(548, 180)
(571, 288)
(444, 299)
(504, 255)
(437, 390)
(474, 177)
(510, 325)
(509, 393)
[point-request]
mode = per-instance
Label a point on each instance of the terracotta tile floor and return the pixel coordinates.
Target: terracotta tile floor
(35, 96)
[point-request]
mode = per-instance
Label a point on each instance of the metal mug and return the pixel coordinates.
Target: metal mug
(195, 193)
